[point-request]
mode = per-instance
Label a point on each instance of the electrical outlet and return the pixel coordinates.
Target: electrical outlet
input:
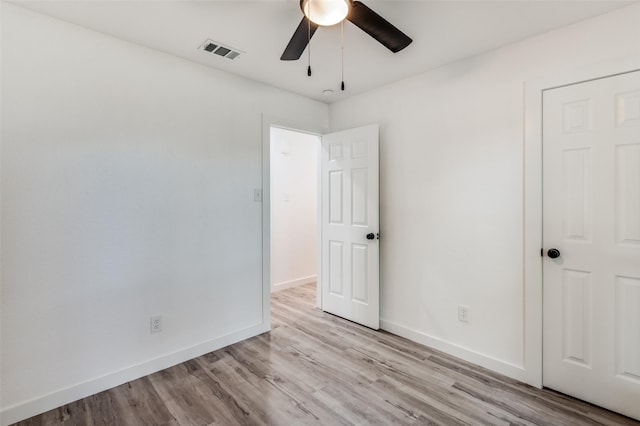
(156, 324)
(464, 315)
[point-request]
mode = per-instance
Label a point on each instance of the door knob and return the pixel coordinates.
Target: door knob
(553, 253)
(371, 236)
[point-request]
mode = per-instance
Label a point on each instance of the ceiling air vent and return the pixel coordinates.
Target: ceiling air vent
(210, 46)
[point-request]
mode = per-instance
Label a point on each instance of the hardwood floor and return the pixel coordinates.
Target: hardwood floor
(314, 368)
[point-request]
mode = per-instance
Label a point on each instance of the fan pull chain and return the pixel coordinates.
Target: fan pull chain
(309, 42)
(342, 54)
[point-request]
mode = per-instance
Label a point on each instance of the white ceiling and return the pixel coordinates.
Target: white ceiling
(443, 32)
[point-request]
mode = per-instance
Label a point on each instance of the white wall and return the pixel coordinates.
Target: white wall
(451, 166)
(294, 205)
(127, 191)
(127, 186)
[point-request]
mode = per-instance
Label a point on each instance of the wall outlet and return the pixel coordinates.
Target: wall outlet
(156, 324)
(464, 315)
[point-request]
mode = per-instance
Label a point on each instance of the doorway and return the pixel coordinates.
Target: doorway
(346, 219)
(293, 203)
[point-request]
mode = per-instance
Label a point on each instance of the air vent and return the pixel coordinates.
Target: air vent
(219, 49)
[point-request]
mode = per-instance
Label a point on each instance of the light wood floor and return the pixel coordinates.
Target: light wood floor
(314, 368)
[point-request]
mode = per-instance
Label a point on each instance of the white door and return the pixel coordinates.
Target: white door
(349, 220)
(591, 184)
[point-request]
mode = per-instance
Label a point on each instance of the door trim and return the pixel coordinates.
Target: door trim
(532, 198)
(298, 126)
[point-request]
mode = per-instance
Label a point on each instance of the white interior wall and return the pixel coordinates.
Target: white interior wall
(294, 205)
(126, 173)
(127, 186)
(451, 166)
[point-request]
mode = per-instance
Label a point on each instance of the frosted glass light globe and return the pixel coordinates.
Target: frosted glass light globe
(325, 12)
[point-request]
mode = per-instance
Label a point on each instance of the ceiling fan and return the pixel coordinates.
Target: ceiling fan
(330, 12)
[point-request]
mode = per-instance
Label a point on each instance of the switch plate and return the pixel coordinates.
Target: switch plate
(257, 195)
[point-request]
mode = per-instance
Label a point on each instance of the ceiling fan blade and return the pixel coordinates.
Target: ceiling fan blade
(378, 27)
(299, 41)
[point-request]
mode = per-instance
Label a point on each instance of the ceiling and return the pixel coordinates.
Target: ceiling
(443, 32)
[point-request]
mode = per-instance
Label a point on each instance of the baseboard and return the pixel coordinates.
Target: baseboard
(56, 399)
(294, 283)
(503, 367)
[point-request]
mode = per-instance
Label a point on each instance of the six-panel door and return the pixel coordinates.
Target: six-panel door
(349, 265)
(591, 214)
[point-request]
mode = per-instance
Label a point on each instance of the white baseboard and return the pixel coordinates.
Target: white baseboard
(56, 399)
(503, 367)
(294, 283)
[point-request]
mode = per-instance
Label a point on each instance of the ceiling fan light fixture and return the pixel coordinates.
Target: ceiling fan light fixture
(325, 12)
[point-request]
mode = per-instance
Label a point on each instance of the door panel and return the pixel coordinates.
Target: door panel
(336, 195)
(576, 321)
(359, 201)
(349, 265)
(627, 322)
(628, 194)
(591, 293)
(577, 194)
(336, 268)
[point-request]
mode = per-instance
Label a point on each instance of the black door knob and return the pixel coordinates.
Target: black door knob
(371, 236)
(553, 253)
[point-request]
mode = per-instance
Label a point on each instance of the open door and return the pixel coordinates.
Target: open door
(350, 220)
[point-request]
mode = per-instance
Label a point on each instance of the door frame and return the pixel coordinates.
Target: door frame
(532, 197)
(296, 125)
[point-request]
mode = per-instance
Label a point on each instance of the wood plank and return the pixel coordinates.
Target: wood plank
(314, 368)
